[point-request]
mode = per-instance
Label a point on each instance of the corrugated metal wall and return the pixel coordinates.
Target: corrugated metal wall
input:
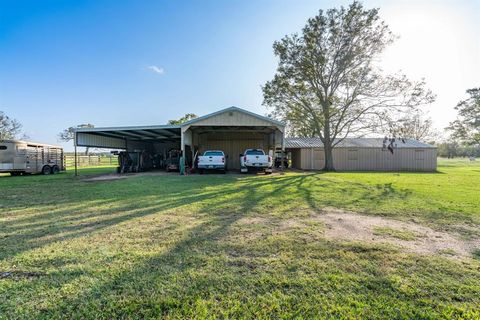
(368, 159)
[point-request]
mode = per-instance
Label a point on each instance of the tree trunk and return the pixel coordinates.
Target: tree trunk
(328, 156)
(327, 143)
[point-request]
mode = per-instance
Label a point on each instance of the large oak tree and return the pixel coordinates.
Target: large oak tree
(327, 84)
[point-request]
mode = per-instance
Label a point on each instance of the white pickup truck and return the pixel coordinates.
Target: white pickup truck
(255, 160)
(212, 160)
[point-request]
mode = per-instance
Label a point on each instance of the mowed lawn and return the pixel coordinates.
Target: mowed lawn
(233, 246)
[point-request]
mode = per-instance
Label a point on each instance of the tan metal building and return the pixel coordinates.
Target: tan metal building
(363, 154)
(232, 130)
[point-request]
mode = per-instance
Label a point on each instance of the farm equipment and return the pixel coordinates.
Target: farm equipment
(133, 161)
(172, 163)
(279, 158)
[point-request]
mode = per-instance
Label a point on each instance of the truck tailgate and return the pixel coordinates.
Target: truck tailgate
(211, 161)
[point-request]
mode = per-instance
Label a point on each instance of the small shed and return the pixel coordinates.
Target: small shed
(363, 154)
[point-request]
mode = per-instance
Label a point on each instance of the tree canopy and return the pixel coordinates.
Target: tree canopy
(327, 83)
(415, 125)
(466, 127)
(9, 128)
(68, 134)
(185, 118)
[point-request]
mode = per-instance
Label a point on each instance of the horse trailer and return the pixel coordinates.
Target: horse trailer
(22, 157)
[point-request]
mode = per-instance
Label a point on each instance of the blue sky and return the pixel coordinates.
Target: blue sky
(112, 63)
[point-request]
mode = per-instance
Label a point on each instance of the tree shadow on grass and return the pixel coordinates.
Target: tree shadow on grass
(214, 223)
(203, 274)
(199, 265)
(86, 217)
(177, 271)
(320, 192)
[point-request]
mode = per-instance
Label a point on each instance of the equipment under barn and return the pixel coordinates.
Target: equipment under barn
(363, 154)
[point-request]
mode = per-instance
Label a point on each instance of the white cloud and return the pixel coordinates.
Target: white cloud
(156, 69)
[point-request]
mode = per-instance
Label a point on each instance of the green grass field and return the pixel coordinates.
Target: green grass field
(233, 246)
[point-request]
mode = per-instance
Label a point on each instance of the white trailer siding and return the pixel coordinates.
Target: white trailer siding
(29, 157)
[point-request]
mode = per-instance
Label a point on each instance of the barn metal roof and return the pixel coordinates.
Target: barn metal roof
(161, 132)
(268, 119)
(299, 143)
(140, 133)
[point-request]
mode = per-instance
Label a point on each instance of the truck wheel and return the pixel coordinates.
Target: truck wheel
(55, 169)
(46, 170)
(15, 173)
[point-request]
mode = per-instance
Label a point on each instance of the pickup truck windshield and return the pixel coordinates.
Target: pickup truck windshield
(254, 153)
(213, 153)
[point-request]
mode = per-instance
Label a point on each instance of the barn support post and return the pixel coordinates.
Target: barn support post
(274, 149)
(193, 157)
(75, 151)
(282, 154)
(182, 156)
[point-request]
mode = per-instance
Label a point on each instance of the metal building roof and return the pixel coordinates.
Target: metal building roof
(271, 120)
(299, 143)
(161, 132)
(140, 133)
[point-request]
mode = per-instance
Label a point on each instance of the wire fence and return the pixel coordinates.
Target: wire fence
(90, 161)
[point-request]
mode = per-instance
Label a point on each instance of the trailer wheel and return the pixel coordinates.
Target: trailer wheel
(46, 170)
(55, 169)
(15, 173)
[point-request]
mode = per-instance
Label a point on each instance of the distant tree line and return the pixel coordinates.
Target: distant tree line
(456, 149)
(464, 138)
